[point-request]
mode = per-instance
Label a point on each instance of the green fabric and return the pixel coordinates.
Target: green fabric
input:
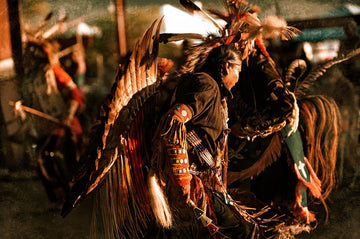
(295, 146)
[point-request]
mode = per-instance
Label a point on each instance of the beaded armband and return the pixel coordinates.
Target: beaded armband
(174, 141)
(181, 112)
(179, 163)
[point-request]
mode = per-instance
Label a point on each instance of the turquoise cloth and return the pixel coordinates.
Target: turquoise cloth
(295, 146)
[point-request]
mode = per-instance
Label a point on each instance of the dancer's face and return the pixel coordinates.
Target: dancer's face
(231, 75)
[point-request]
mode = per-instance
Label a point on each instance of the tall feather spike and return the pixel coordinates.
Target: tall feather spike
(319, 71)
(194, 9)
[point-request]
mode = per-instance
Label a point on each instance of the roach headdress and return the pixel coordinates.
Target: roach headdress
(238, 25)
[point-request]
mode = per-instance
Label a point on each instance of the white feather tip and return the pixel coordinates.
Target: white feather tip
(274, 26)
(159, 204)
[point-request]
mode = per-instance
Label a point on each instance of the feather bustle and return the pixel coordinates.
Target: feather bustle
(132, 69)
(109, 160)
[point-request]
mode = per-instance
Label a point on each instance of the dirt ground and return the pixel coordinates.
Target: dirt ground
(26, 213)
(344, 213)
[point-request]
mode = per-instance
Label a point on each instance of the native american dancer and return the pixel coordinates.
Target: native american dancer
(262, 150)
(265, 112)
(283, 169)
(48, 89)
(162, 157)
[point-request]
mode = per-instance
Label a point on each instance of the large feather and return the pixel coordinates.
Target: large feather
(193, 9)
(43, 24)
(117, 114)
(274, 26)
(303, 87)
(290, 73)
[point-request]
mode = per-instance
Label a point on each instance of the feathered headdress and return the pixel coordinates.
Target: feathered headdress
(243, 28)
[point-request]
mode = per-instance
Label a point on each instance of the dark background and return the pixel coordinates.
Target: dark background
(25, 211)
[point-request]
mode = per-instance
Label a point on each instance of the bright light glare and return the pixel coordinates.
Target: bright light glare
(354, 9)
(178, 21)
(84, 29)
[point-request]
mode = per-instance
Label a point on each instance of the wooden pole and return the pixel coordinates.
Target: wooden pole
(12, 154)
(120, 18)
(15, 29)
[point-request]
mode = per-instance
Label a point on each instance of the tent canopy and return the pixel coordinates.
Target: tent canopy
(329, 26)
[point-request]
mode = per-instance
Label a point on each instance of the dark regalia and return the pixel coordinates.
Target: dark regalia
(161, 156)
